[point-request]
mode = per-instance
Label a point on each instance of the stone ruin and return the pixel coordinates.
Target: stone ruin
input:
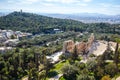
(68, 46)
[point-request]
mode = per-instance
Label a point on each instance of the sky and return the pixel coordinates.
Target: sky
(111, 7)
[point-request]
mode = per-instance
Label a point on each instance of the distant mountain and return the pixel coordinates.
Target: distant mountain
(88, 17)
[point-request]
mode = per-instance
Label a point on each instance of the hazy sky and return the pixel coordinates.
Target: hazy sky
(62, 6)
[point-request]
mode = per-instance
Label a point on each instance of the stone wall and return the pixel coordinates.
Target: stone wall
(68, 46)
(81, 47)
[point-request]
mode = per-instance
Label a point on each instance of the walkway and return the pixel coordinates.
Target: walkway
(56, 77)
(118, 78)
(55, 56)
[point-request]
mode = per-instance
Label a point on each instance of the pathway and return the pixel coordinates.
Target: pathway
(55, 56)
(118, 78)
(56, 77)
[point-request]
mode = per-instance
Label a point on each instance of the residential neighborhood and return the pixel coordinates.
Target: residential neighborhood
(9, 39)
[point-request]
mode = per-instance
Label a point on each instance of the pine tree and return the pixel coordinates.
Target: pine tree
(75, 54)
(116, 56)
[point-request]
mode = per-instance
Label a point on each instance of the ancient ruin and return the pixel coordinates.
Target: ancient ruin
(68, 46)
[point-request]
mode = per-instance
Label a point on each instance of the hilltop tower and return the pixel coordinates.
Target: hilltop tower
(21, 11)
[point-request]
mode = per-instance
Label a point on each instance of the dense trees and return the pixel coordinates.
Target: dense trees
(44, 39)
(96, 69)
(111, 69)
(34, 23)
(69, 72)
(103, 28)
(85, 77)
(28, 22)
(26, 61)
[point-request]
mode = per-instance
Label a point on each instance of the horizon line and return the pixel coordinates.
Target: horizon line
(10, 11)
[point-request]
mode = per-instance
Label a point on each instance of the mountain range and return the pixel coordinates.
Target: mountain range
(88, 17)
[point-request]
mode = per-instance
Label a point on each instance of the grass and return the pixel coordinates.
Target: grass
(57, 69)
(58, 66)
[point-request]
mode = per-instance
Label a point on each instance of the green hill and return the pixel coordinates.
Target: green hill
(34, 23)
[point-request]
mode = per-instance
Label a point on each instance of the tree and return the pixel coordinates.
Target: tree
(24, 59)
(107, 55)
(101, 61)
(80, 66)
(99, 72)
(116, 56)
(69, 72)
(47, 66)
(37, 60)
(33, 74)
(62, 57)
(85, 74)
(74, 54)
(91, 65)
(2, 71)
(110, 69)
(41, 75)
(85, 77)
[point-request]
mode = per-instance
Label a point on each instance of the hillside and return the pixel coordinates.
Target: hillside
(34, 23)
(28, 22)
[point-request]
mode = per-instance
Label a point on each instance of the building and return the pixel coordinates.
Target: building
(11, 42)
(5, 49)
(57, 30)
